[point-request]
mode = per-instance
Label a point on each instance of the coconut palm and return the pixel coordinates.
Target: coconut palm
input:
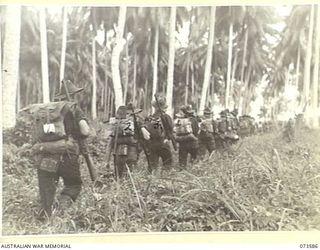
(208, 60)
(10, 70)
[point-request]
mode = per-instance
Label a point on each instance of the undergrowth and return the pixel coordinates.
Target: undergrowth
(260, 183)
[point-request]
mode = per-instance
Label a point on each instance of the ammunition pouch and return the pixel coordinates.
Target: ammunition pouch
(62, 146)
(186, 137)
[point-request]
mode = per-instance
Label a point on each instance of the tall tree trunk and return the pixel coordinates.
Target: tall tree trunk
(145, 100)
(172, 36)
(187, 79)
(229, 66)
(192, 84)
(307, 67)
(127, 74)
(155, 64)
(298, 68)
(64, 44)
(207, 71)
(94, 81)
(44, 57)
(244, 56)
(134, 91)
(244, 95)
(10, 70)
(118, 94)
(315, 87)
(234, 68)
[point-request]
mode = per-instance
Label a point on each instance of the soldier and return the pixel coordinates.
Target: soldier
(234, 115)
(186, 130)
(158, 145)
(206, 134)
(65, 164)
(289, 131)
(122, 142)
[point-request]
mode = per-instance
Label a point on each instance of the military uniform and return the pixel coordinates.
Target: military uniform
(187, 137)
(67, 166)
(158, 144)
(206, 134)
(122, 143)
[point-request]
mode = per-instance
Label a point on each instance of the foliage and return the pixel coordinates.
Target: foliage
(261, 183)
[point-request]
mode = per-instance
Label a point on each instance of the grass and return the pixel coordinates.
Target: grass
(262, 183)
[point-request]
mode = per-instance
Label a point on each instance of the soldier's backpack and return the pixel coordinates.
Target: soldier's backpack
(206, 125)
(244, 123)
(47, 125)
(124, 128)
(183, 130)
(223, 125)
(155, 128)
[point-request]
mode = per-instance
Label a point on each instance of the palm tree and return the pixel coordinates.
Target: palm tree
(307, 65)
(10, 70)
(208, 60)
(116, 57)
(44, 56)
(64, 44)
(172, 29)
(315, 120)
(94, 80)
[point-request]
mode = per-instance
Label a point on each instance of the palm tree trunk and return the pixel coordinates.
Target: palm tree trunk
(127, 73)
(207, 71)
(44, 57)
(134, 91)
(10, 70)
(315, 87)
(192, 83)
(64, 44)
(298, 68)
(244, 96)
(116, 58)
(187, 79)
(307, 66)
(244, 56)
(94, 82)
(172, 30)
(155, 66)
(229, 66)
(234, 68)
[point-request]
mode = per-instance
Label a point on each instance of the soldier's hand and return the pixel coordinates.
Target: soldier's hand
(166, 141)
(145, 134)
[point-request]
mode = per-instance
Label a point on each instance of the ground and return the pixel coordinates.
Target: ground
(263, 183)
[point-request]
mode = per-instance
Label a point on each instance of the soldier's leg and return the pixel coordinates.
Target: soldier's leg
(132, 157)
(154, 158)
(183, 155)
(69, 170)
(47, 189)
(166, 156)
(211, 145)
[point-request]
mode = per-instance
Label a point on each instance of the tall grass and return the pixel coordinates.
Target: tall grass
(262, 183)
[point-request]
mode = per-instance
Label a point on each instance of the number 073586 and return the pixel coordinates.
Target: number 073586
(309, 246)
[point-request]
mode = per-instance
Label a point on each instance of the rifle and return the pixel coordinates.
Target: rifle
(83, 146)
(165, 126)
(140, 138)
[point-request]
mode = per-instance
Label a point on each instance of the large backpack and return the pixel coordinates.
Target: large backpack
(47, 125)
(124, 129)
(206, 125)
(223, 125)
(155, 127)
(182, 126)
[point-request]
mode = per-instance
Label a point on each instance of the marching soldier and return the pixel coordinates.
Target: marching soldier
(160, 127)
(123, 143)
(206, 134)
(186, 130)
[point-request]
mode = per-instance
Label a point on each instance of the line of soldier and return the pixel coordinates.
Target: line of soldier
(60, 140)
(130, 133)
